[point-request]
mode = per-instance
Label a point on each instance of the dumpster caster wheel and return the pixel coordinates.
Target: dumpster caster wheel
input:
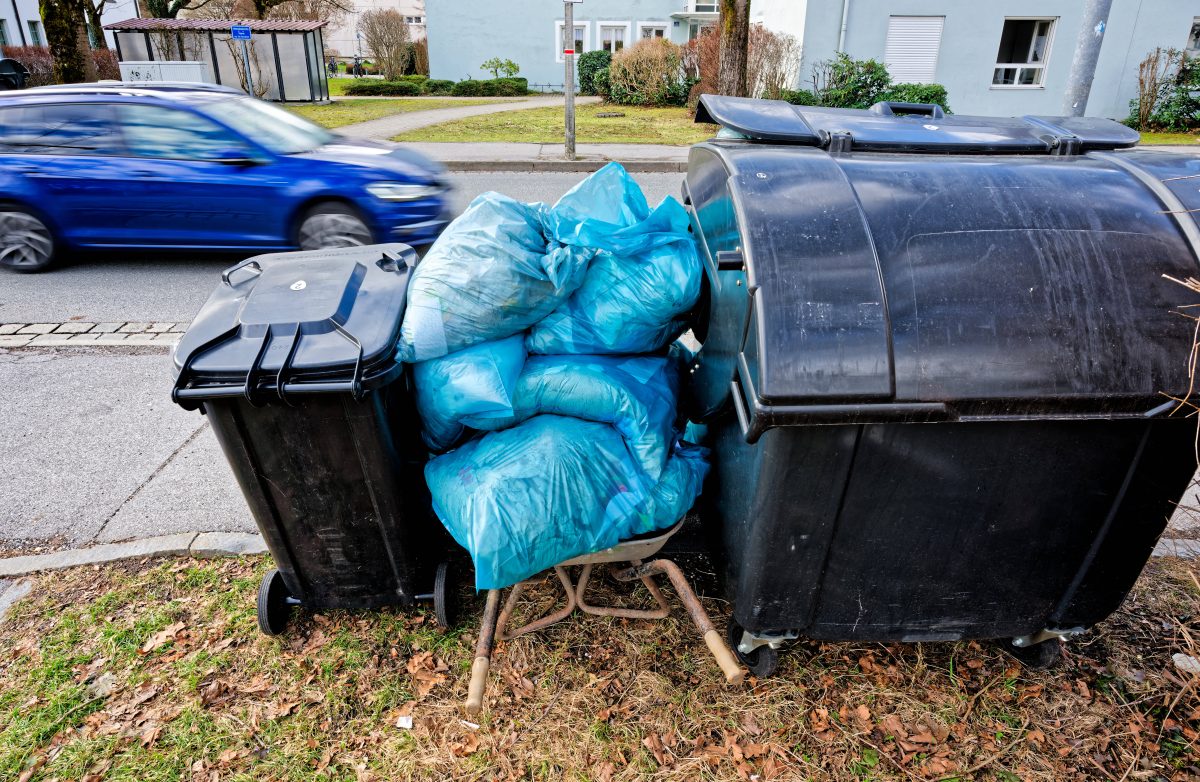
(274, 604)
(762, 662)
(1039, 656)
(444, 608)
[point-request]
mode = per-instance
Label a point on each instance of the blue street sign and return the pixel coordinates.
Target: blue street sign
(240, 32)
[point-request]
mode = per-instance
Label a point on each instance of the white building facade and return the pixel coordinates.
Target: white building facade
(343, 38)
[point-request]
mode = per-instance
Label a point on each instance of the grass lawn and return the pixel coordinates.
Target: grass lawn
(1170, 138)
(638, 126)
(347, 112)
(156, 672)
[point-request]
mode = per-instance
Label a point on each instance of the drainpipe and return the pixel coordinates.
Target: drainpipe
(842, 34)
(20, 24)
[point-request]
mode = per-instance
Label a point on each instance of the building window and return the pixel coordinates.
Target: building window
(612, 37)
(1193, 44)
(1024, 51)
(912, 48)
(35, 34)
(703, 7)
(696, 29)
(3, 33)
(652, 30)
(580, 40)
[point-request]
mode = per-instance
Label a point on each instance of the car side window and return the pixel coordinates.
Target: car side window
(59, 129)
(161, 132)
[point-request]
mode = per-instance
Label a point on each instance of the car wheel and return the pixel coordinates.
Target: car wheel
(332, 225)
(26, 243)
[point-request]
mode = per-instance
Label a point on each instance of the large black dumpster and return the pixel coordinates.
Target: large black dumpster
(936, 360)
(292, 360)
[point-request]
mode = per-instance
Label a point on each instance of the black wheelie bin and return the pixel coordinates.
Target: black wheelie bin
(292, 359)
(936, 363)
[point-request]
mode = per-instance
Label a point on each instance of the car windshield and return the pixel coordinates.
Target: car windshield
(276, 129)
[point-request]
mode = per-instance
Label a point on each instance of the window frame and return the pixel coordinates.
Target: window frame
(652, 25)
(1193, 34)
(35, 32)
(1045, 64)
(618, 25)
(4, 33)
(558, 31)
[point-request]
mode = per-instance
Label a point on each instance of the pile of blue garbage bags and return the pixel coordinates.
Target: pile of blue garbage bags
(547, 373)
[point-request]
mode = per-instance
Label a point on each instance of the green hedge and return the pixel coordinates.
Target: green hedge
(800, 97)
(590, 64)
(437, 86)
(375, 87)
(475, 88)
(917, 93)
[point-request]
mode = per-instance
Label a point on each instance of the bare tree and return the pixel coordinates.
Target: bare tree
(95, 10)
(386, 35)
(773, 60)
(735, 41)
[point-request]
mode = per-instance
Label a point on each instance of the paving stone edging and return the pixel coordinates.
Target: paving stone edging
(194, 544)
(79, 333)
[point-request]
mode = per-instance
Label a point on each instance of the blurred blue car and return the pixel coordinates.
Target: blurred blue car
(196, 167)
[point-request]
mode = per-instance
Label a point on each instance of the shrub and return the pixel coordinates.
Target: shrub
(415, 78)
(917, 93)
(799, 97)
(844, 82)
(437, 87)
(600, 81)
(40, 63)
(649, 73)
(419, 63)
(772, 62)
(1168, 92)
(374, 87)
(589, 64)
(491, 87)
(496, 65)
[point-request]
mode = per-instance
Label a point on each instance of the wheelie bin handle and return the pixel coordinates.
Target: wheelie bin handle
(249, 263)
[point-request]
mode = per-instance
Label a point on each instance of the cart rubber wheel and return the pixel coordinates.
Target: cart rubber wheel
(762, 662)
(444, 603)
(1047, 654)
(274, 609)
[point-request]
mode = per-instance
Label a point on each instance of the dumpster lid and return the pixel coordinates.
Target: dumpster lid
(320, 321)
(909, 127)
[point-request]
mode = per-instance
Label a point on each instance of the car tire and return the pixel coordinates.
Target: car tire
(331, 225)
(27, 244)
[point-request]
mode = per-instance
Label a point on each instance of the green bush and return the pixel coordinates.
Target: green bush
(601, 84)
(800, 97)
(416, 78)
(1168, 92)
(374, 87)
(476, 88)
(589, 64)
(437, 86)
(498, 66)
(917, 93)
(846, 83)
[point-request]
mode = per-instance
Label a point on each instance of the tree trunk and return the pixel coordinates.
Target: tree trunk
(95, 24)
(735, 40)
(66, 34)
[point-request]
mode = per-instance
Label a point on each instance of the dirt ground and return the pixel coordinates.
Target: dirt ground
(156, 671)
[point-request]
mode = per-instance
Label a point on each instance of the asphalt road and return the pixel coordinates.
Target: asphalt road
(171, 288)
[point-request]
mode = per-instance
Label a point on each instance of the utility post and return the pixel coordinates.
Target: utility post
(568, 49)
(1087, 52)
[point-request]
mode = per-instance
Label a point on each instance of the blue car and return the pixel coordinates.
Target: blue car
(196, 167)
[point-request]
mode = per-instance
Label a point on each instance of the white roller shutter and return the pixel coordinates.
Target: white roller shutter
(912, 47)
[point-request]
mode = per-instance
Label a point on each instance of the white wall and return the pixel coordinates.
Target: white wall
(341, 37)
(781, 16)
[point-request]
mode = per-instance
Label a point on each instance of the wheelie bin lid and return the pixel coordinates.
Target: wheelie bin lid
(890, 126)
(320, 321)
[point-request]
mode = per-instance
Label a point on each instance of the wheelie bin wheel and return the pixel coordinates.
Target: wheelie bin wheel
(762, 662)
(1039, 656)
(274, 604)
(444, 597)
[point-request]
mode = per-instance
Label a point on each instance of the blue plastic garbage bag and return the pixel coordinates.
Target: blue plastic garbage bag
(645, 278)
(635, 394)
(479, 381)
(526, 498)
(490, 275)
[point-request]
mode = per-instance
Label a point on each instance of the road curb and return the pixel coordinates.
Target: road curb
(565, 166)
(194, 544)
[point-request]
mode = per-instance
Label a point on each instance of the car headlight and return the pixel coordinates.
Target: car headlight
(395, 191)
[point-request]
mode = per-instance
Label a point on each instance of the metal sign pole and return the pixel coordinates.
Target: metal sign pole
(246, 65)
(569, 78)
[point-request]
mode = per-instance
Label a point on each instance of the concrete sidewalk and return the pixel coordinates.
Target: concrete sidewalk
(386, 127)
(511, 156)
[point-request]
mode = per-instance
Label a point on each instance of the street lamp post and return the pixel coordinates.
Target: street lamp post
(568, 49)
